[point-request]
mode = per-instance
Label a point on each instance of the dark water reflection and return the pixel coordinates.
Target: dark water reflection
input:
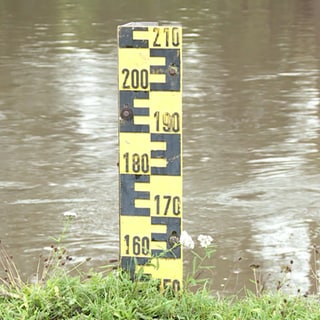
(251, 130)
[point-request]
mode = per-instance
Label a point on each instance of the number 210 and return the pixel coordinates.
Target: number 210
(171, 38)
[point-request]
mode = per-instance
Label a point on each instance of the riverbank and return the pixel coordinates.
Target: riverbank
(114, 296)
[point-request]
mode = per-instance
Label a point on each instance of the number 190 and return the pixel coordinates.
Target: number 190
(167, 121)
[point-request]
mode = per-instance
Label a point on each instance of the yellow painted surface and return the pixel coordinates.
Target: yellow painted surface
(165, 197)
(133, 64)
(134, 149)
(132, 227)
(165, 112)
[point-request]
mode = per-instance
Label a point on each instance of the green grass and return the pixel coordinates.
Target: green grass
(115, 296)
(60, 291)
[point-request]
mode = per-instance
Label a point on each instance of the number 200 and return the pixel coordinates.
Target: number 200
(135, 79)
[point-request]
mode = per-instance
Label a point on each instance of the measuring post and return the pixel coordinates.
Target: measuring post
(150, 150)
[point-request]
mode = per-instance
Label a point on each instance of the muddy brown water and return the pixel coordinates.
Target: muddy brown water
(251, 131)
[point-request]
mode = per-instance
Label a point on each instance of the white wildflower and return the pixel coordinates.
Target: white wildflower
(186, 240)
(205, 241)
(70, 214)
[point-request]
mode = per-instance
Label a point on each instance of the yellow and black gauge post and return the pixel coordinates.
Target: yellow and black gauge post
(150, 150)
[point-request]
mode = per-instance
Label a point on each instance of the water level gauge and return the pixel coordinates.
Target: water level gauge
(150, 149)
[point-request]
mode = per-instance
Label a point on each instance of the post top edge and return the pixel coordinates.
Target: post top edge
(148, 24)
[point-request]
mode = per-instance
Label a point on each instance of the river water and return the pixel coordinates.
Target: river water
(251, 131)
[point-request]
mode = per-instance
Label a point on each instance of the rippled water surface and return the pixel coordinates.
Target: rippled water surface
(251, 130)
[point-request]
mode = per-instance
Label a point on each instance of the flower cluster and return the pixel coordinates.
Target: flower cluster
(205, 241)
(70, 214)
(187, 242)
